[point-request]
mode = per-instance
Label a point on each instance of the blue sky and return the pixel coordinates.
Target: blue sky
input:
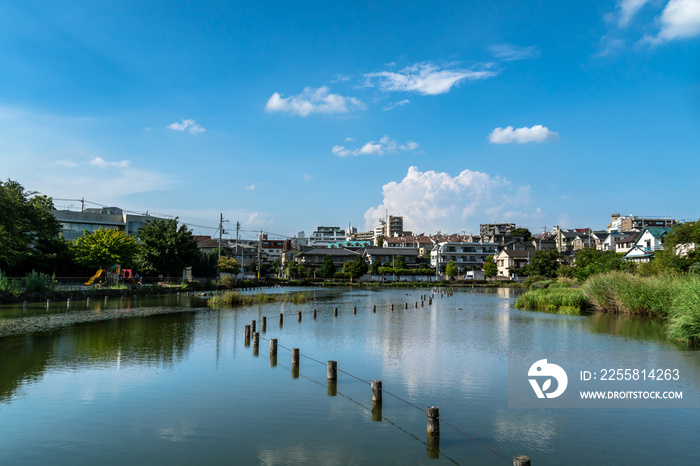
(285, 116)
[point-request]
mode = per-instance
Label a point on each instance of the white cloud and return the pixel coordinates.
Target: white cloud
(431, 200)
(507, 135)
(341, 78)
(628, 8)
(397, 104)
(256, 219)
(308, 177)
(385, 145)
(187, 125)
(102, 163)
(679, 20)
(424, 78)
(507, 52)
(249, 188)
(313, 101)
(348, 139)
(66, 163)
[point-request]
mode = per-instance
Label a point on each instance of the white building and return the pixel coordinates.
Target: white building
(325, 235)
(464, 255)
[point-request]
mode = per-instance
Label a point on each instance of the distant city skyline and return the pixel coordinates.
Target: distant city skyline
(286, 117)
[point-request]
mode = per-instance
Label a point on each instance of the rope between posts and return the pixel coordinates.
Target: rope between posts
(394, 396)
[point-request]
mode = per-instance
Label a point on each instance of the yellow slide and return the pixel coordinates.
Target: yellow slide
(95, 277)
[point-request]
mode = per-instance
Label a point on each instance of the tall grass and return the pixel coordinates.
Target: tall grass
(675, 298)
(233, 298)
(684, 313)
(560, 300)
(624, 293)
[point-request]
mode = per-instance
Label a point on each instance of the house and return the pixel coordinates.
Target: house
(465, 255)
(626, 223)
(650, 241)
(423, 244)
(564, 239)
(509, 258)
(388, 255)
(314, 257)
(627, 242)
(325, 235)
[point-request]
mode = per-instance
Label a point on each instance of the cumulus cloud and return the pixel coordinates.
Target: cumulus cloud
(397, 104)
(508, 135)
(679, 20)
(431, 200)
(256, 219)
(424, 78)
(507, 52)
(313, 101)
(187, 125)
(385, 145)
(66, 163)
(102, 163)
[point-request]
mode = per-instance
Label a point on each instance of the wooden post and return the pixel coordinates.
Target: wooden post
(299, 316)
(105, 299)
(376, 391)
(314, 313)
(392, 307)
(332, 389)
(24, 304)
(354, 309)
(68, 302)
(48, 302)
(273, 347)
(256, 338)
(415, 305)
(281, 319)
(247, 331)
(377, 412)
(421, 303)
(332, 370)
(335, 311)
(521, 460)
(433, 421)
(252, 326)
(263, 325)
(433, 450)
(374, 308)
(295, 356)
(405, 305)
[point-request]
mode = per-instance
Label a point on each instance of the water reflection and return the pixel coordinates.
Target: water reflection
(152, 341)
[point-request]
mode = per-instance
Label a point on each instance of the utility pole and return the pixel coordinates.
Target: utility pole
(221, 229)
(259, 253)
(238, 227)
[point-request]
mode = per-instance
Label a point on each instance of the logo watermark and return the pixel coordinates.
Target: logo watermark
(541, 369)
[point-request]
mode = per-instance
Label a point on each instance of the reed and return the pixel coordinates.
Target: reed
(569, 301)
(234, 298)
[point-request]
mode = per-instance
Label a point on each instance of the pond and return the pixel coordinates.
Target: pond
(186, 387)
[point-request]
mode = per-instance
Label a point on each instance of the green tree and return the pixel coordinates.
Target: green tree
(544, 263)
(327, 267)
(681, 234)
(166, 248)
(228, 265)
(292, 270)
(399, 262)
(374, 268)
(490, 267)
(29, 233)
(104, 248)
(207, 265)
(380, 241)
(451, 269)
(524, 232)
(357, 268)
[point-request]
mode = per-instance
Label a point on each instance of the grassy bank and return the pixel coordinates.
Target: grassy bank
(234, 298)
(569, 301)
(675, 298)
